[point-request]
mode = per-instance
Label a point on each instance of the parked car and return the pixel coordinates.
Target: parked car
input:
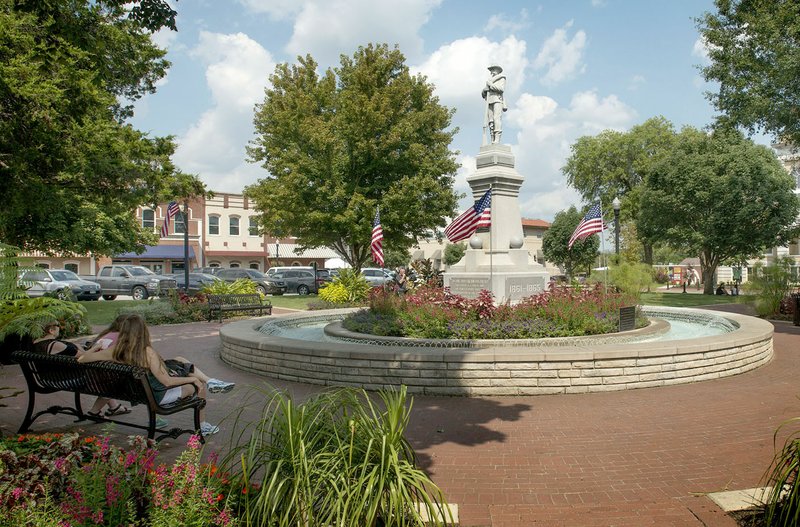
(323, 277)
(264, 284)
(207, 270)
(376, 276)
(196, 281)
(278, 269)
(43, 281)
(300, 281)
(135, 280)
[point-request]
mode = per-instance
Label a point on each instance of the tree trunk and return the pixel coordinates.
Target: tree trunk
(708, 266)
(648, 253)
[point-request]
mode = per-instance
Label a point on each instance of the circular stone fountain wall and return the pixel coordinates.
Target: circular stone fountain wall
(492, 367)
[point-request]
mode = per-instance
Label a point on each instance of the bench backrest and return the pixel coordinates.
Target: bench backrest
(50, 373)
(243, 299)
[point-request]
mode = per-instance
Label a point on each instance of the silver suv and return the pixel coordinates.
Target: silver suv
(301, 281)
(41, 281)
(376, 276)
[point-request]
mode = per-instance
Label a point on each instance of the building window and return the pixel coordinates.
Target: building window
(254, 265)
(234, 265)
(213, 225)
(214, 264)
(43, 265)
(234, 226)
(148, 219)
(71, 267)
(253, 226)
(180, 223)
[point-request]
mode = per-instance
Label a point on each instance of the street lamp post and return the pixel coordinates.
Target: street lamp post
(277, 250)
(616, 204)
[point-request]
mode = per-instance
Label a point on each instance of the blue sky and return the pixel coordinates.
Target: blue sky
(574, 68)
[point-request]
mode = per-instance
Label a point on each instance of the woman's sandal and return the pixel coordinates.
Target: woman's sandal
(96, 415)
(119, 410)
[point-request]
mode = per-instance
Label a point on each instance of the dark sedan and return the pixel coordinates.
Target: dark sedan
(197, 281)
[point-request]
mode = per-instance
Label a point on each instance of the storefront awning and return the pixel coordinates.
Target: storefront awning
(159, 252)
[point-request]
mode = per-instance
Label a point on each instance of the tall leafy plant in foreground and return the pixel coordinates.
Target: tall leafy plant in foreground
(23, 318)
(339, 458)
(783, 502)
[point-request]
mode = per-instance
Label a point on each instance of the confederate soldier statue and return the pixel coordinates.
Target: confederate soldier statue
(495, 105)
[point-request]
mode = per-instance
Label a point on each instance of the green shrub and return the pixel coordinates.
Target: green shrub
(348, 287)
(62, 294)
(239, 287)
(771, 284)
(335, 459)
(154, 312)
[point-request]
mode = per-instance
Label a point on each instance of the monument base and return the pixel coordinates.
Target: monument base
(509, 275)
(505, 286)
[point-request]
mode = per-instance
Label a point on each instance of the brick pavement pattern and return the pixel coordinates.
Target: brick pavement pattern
(626, 459)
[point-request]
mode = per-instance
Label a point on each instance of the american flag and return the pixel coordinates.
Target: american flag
(477, 216)
(590, 224)
(377, 239)
(172, 211)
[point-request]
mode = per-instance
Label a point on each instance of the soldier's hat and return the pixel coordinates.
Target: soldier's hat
(495, 67)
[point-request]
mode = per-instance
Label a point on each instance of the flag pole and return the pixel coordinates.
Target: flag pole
(491, 249)
(603, 257)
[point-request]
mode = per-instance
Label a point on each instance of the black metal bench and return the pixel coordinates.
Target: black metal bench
(242, 302)
(59, 373)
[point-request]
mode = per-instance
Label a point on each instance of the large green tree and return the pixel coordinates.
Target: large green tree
(720, 196)
(73, 170)
(613, 164)
(582, 254)
(754, 47)
(337, 146)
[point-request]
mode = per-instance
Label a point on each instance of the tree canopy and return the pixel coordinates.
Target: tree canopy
(614, 164)
(720, 196)
(555, 242)
(754, 47)
(73, 170)
(338, 145)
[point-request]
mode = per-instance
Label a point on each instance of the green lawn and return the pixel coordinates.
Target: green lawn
(102, 313)
(691, 300)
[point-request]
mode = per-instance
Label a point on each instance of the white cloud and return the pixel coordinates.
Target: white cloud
(700, 49)
(327, 28)
(508, 25)
(545, 133)
(458, 70)
(636, 81)
(562, 58)
(276, 9)
(213, 147)
(599, 3)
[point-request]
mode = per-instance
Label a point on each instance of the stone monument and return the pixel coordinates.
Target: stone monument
(496, 259)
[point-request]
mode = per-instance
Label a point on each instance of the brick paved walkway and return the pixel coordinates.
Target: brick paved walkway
(633, 458)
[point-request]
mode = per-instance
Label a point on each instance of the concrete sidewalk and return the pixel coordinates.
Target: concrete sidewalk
(633, 458)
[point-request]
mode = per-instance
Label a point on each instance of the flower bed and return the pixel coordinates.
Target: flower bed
(70, 481)
(435, 313)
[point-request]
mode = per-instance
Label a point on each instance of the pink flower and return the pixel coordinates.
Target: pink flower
(194, 442)
(17, 492)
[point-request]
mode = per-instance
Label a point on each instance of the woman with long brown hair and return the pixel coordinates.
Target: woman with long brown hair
(171, 379)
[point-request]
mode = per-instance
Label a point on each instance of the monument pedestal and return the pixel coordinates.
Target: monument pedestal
(496, 260)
